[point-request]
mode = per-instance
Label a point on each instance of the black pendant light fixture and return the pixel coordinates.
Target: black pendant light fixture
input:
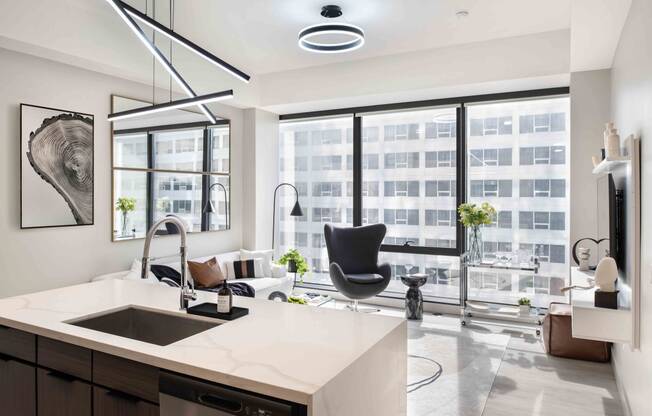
(309, 36)
(128, 14)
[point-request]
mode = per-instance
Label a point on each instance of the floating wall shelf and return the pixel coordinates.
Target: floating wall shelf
(609, 164)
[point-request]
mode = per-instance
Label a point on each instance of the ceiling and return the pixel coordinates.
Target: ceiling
(260, 36)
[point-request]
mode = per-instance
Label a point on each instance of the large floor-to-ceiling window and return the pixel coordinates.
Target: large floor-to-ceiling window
(410, 165)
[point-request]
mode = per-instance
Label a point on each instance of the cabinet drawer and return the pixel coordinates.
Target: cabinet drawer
(62, 395)
(111, 403)
(131, 377)
(65, 358)
(18, 344)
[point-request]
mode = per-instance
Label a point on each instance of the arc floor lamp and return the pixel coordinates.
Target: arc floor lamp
(296, 210)
(209, 208)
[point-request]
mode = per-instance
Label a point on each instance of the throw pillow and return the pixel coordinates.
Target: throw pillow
(206, 274)
(264, 255)
(161, 271)
(246, 269)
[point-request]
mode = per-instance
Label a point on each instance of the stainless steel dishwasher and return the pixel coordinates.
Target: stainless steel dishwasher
(184, 396)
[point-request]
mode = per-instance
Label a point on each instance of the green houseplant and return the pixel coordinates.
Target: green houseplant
(524, 306)
(294, 261)
(472, 217)
(125, 205)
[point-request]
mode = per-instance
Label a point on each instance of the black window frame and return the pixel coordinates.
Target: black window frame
(461, 167)
(206, 173)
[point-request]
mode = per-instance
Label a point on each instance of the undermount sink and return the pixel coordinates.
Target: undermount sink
(145, 325)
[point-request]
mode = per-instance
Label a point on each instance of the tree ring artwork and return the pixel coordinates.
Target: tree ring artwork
(57, 167)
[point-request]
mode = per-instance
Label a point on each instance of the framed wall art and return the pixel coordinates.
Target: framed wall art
(56, 167)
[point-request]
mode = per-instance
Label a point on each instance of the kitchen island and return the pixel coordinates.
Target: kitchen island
(332, 362)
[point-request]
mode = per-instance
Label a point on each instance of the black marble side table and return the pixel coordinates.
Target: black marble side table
(413, 296)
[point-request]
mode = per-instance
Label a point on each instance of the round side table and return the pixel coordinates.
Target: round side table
(413, 296)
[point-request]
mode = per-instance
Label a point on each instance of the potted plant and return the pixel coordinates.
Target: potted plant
(125, 205)
(472, 217)
(524, 306)
(295, 263)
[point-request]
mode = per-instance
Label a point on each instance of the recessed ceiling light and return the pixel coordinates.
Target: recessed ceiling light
(462, 14)
(353, 35)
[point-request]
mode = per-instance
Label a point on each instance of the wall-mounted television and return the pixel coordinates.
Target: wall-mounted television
(611, 219)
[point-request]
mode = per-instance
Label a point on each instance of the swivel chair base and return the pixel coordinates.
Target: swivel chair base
(355, 308)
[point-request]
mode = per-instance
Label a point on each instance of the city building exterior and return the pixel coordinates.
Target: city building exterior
(517, 160)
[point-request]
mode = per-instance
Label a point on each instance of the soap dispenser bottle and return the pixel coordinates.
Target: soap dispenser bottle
(224, 298)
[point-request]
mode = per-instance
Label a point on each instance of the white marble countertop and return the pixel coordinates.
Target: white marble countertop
(282, 350)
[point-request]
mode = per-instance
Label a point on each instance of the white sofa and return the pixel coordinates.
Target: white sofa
(263, 286)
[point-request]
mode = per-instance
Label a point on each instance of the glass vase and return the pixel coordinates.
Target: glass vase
(125, 223)
(475, 245)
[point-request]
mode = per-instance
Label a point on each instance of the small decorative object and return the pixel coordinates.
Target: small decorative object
(295, 263)
(524, 306)
(125, 205)
(576, 253)
(596, 160)
(277, 296)
(472, 217)
(56, 160)
(584, 256)
(224, 298)
(611, 141)
(606, 275)
(413, 296)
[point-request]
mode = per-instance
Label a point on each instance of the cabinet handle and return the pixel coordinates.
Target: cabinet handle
(61, 376)
(123, 396)
(220, 403)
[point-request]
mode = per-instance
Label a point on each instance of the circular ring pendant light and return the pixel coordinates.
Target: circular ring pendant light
(354, 34)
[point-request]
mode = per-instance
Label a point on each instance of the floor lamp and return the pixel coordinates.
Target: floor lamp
(209, 208)
(296, 210)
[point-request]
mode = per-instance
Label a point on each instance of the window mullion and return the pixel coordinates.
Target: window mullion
(357, 171)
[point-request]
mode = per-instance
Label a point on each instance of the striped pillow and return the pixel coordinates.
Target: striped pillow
(246, 269)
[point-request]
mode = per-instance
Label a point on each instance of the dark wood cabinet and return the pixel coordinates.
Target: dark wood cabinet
(113, 403)
(60, 394)
(131, 377)
(17, 388)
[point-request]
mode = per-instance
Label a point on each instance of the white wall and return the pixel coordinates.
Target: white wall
(404, 77)
(632, 111)
(39, 259)
(590, 110)
(261, 155)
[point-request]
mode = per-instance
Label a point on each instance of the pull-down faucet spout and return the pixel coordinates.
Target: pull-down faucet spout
(187, 293)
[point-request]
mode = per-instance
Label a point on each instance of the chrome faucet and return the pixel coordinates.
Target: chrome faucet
(187, 292)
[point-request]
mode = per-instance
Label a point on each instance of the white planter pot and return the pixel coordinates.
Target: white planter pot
(524, 310)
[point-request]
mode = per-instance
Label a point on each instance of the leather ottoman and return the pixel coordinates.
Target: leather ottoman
(558, 339)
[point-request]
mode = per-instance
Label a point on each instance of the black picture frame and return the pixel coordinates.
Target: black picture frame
(22, 150)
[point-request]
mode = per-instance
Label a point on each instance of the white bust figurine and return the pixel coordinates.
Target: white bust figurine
(606, 275)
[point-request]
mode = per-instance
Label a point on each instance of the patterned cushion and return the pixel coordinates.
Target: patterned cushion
(243, 269)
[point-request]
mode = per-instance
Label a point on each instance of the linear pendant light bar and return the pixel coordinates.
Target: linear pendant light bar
(184, 42)
(157, 108)
(159, 56)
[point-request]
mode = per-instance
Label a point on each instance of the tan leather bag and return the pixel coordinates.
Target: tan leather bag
(558, 339)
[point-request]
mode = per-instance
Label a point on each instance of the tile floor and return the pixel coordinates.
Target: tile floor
(489, 370)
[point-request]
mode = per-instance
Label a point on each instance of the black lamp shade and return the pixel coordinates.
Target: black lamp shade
(209, 208)
(296, 210)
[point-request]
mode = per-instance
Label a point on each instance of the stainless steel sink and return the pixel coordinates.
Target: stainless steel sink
(145, 325)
